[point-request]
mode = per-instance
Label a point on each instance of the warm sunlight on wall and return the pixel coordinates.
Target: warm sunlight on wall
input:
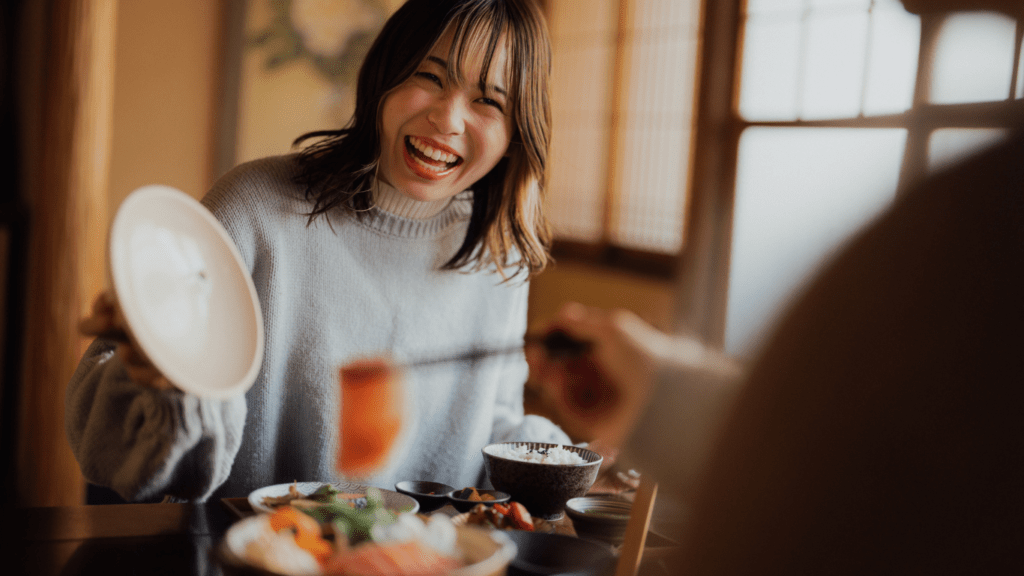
(166, 65)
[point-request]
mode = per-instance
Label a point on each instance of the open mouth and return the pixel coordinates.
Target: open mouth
(430, 159)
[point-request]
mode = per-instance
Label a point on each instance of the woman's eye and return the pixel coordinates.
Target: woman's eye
(432, 77)
(495, 103)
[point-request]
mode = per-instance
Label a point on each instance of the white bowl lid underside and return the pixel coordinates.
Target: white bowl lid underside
(185, 294)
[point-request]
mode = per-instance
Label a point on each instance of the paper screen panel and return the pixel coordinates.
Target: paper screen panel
(649, 192)
(827, 59)
(583, 36)
(973, 58)
(800, 192)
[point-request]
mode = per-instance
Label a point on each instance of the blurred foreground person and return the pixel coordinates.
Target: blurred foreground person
(879, 430)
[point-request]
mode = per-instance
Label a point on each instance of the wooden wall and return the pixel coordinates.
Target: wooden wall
(115, 94)
(66, 178)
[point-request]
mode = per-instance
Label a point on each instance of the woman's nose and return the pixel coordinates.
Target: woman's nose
(448, 115)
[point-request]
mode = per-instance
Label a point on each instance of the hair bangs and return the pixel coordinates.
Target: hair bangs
(481, 29)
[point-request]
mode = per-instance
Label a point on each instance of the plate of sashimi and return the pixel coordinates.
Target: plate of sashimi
(359, 534)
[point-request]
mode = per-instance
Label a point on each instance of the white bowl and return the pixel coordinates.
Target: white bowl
(186, 296)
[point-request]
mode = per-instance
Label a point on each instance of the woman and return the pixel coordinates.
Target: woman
(412, 231)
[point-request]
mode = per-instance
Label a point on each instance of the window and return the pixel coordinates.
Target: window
(622, 98)
(814, 115)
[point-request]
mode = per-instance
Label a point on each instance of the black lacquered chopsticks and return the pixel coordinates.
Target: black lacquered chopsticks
(557, 343)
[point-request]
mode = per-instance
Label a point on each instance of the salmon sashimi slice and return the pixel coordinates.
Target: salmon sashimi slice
(396, 559)
(371, 418)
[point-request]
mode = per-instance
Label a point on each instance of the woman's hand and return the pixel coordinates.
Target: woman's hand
(106, 322)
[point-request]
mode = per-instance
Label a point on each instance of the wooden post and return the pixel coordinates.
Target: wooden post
(66, 194)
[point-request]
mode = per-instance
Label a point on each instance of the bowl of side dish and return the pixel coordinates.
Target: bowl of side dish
(541, 476)
(430, 495)
(465, 499)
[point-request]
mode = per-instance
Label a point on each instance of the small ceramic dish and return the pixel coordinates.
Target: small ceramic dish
(430, 495)
(602, 518)
(460, 498)
(351, 491)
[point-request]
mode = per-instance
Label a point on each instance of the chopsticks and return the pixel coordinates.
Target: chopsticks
(557, 343)
(636, 530)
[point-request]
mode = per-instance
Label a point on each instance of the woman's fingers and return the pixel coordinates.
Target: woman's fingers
(141, 370)
(94, 325)
(105, 320)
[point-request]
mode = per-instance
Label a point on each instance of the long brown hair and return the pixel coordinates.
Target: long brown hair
(507, 227)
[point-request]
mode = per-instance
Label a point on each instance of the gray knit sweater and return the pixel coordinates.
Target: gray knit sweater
(330, 292)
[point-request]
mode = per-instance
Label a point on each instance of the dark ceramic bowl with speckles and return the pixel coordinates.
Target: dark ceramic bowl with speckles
(430, 495)
(543, 488)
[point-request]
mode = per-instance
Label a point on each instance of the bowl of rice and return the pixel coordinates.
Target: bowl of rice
(541, 476)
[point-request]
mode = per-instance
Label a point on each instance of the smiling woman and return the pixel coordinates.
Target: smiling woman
(411, 231)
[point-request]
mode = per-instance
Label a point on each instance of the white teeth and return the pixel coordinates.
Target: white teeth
(431, 152)
(431, 167)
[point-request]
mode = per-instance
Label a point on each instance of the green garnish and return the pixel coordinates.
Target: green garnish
(356, 523)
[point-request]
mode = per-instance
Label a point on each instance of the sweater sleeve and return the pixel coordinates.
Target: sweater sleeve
(145, 443)
(510, 421)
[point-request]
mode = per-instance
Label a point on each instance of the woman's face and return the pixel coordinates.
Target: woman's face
(438, 139)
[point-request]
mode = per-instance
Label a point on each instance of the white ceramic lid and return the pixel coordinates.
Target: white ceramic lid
(185, 294)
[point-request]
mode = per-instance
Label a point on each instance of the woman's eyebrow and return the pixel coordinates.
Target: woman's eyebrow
(444, 64)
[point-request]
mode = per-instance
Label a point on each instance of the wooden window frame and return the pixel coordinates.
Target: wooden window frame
(703, 268)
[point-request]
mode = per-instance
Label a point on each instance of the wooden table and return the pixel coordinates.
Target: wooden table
(123, 539)
(115, 539)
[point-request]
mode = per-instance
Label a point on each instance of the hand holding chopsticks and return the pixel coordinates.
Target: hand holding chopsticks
(604, 391)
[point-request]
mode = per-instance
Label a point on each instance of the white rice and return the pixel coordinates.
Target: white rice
(552, 455)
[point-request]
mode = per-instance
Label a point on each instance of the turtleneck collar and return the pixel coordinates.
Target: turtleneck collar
(390, 200)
